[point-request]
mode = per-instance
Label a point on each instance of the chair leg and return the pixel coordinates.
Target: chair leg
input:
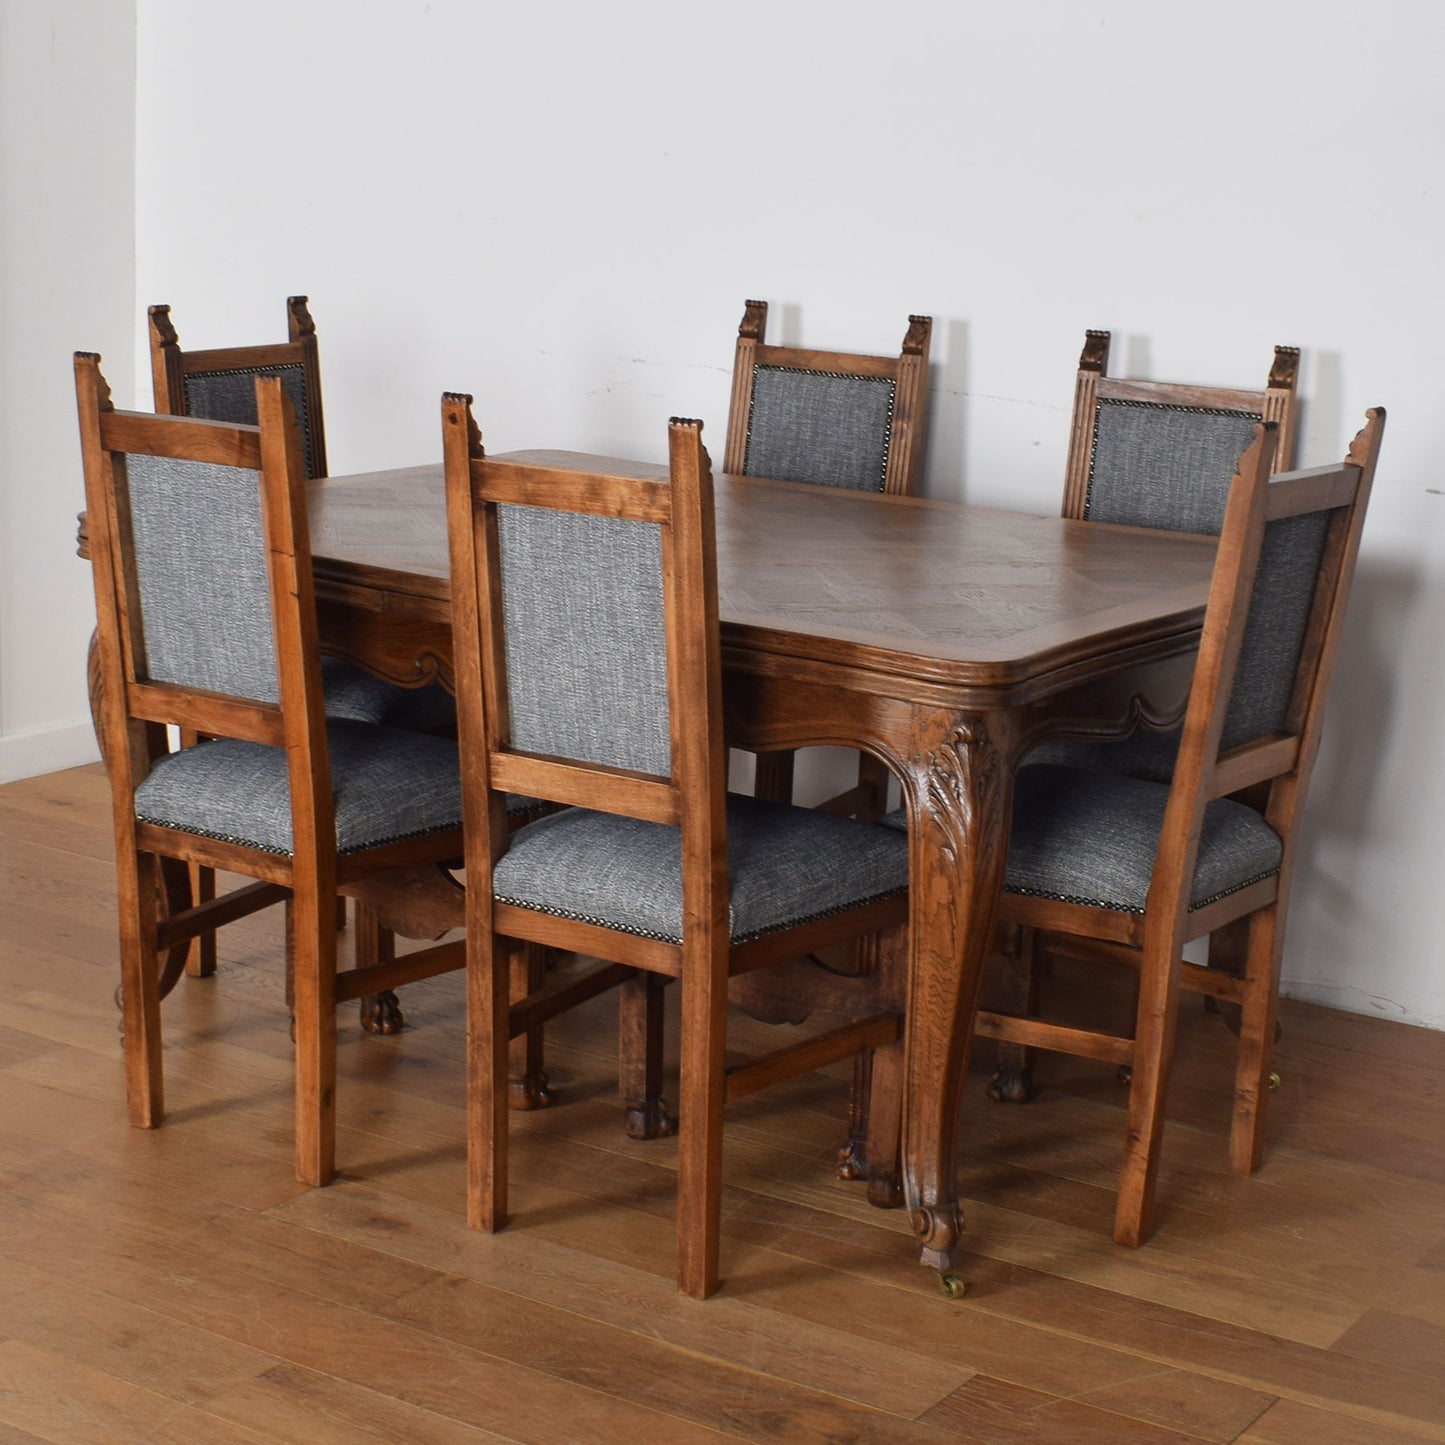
(138, 890)
(1257, 1030)
(526, 1077)
(1013, 1078)
(488, 1031)
(1154, 1029)
(379, 1013)
(639, 1056)
(312, 946)
(854, 1160)
(885, 1092)
(773, 779)
(885, 1127)
(873, 778)
(202, 960)
(702, 1092)
(853, 1157)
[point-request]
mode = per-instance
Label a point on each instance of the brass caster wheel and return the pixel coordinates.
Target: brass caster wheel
(1274, 1082)
(952, 1284)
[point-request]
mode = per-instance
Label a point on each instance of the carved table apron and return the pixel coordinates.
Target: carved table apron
(947, 640)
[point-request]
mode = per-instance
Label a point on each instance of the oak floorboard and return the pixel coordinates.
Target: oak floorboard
(1006, 1414)
(825, 1357)
(90, 1328)
(645, 1368)
(304, 1328)
(58, 1400)
(293, 1406)
(1291, 1423)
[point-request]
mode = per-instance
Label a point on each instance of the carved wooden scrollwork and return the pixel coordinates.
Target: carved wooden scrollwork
(938, 1228)
(1132, 714)
(1095, 356)
(754, 322)
(915, 339)
(1285, 367)
(298, 318)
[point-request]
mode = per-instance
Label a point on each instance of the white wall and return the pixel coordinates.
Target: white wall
(560, 207)
(67, 283)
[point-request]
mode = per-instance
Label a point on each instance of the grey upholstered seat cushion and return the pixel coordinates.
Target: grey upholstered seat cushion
(387, 785)
(786, 865)
(1141, 755)
(357, 696)
(1090, 837)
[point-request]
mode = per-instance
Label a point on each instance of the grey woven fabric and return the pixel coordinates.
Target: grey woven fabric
(387, 785)
(356, 695)
(201, 571)
(820, 427)
(1088, 837)
(786, 865)
(586, 648)
(231, 396)
(1084, 836)
(1141, 755)
(1279, 607)
(1164, 466)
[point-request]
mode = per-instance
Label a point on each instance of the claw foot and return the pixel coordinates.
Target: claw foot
(381, 1013)
(527, 1093)
(1011, 1086)
(650, 1120)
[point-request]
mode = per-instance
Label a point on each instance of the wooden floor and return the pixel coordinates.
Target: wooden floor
(179, 1286)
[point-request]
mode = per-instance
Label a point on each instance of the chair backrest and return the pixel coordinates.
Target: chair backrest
(827, 417)
(206, 618)
(217, 385)
(1287, 552)
(585, 634)
(1162, 454)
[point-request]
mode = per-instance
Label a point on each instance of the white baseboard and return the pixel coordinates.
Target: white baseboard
(27, 755)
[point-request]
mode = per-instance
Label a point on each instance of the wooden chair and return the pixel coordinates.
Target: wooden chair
(1145, 454)
(588, 665)
(1126, 870)
(1162, 454)
(834, 419)
(218, 384)
(207, 622)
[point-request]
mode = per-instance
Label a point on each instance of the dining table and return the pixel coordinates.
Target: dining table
(946, 639)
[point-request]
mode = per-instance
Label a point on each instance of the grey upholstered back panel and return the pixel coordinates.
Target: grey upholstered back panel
(1279, 611)
(586, 647)
(201, 571)
(1279, 608)
(1164, 466)
(821, 427)
(231, 396)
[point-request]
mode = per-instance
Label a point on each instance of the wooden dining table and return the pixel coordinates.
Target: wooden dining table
(947, 640)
